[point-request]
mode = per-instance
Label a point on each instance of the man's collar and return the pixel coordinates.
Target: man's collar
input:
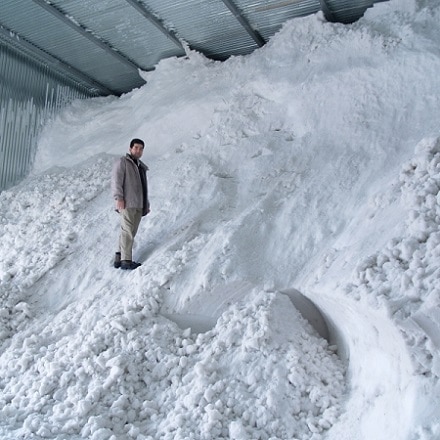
(136, 161)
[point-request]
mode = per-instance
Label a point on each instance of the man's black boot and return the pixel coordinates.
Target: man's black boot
(117, 262)
(129, 265)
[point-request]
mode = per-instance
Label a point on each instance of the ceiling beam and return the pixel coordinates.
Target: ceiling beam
(156, 22)
(243, 21)
(87, 34)
(39, 56)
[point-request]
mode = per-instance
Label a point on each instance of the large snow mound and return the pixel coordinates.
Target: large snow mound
(312, 164)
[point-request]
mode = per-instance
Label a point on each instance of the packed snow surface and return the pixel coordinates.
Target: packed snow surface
(312, 165)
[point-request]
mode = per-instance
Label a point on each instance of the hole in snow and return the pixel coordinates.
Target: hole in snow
(309, 311)
(203, 323)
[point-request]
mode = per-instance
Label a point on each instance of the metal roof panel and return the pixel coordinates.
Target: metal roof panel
(124, 28)
(107, 41)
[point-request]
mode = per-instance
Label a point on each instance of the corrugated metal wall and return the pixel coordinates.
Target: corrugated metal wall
(29, 95)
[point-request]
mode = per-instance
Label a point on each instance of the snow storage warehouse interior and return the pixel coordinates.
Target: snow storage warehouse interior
(290, 278)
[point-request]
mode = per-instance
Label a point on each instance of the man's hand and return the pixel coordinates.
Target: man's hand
(120, 205)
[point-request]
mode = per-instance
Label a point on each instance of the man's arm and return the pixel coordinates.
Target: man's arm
(118, 174)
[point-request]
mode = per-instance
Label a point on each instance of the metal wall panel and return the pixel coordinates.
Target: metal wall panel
(124, 28)
(35, 24)
(347, 11)
(29, 95)
(105, 43)
(268, 17)
(207, 25)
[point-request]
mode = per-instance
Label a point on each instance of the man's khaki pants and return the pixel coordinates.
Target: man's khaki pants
(130, 220)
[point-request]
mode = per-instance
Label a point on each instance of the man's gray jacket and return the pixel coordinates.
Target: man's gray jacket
(129, 183)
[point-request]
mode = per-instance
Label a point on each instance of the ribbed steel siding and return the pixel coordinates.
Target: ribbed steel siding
(348, 11)
(207, 25)
(29, 95)
(38, 26)
(118, 23)
(268, 17)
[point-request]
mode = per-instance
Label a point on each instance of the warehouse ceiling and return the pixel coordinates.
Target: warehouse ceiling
(102, 44)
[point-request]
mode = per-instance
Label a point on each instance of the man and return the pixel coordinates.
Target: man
(130, 191)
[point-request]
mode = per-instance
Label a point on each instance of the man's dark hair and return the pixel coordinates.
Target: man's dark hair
(137, 141)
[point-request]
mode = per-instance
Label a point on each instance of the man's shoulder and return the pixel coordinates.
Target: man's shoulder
(118, 161)
(128, 159)
(123, 160)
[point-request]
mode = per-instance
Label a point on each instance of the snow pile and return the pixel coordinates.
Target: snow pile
(95, 368)
(292, 168)
(40, 226)
(403, 277)
(125, 371)
(399, 285)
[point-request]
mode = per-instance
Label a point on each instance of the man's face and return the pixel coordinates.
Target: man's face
(137, 150)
